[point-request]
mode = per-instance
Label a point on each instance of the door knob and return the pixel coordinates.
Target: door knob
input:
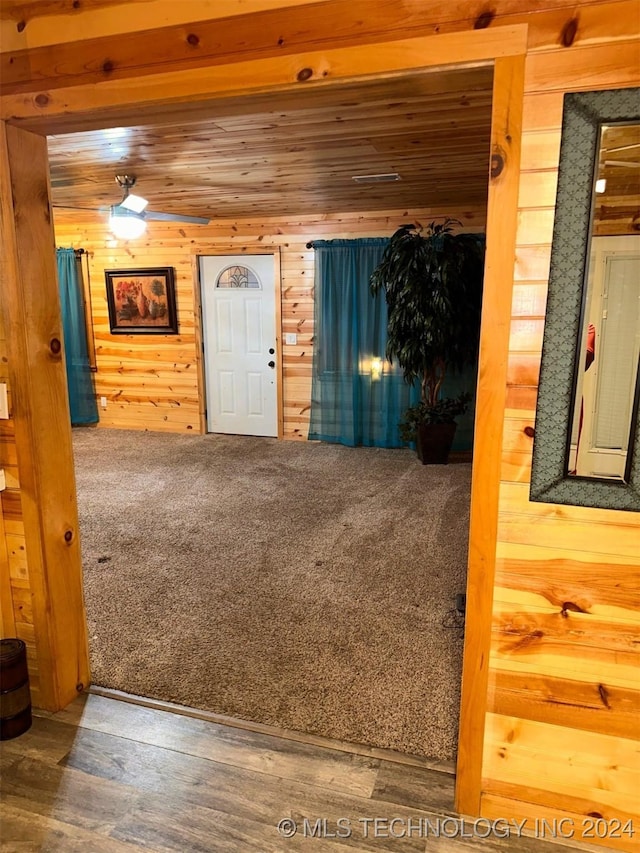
(272, 364)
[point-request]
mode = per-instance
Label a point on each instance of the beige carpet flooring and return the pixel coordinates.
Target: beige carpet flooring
(302, 585)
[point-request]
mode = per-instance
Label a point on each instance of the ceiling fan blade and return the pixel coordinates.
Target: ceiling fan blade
(627, 164)
(174, 217)
(623, 147)
(75, 207)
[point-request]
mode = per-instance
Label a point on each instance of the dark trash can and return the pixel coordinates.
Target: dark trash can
(15, 696)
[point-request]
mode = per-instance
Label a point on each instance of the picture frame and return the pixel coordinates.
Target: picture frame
(142, 301)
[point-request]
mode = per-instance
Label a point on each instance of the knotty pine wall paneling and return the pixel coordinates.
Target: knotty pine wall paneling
(16, 613)
(563, 701)
(561, 736)
(151, 381)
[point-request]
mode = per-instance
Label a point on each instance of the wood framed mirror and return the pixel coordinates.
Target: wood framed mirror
(587, 443)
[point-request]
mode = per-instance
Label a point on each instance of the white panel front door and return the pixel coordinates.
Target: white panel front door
(239, 325)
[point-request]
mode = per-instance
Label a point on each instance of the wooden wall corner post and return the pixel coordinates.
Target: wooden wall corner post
(277, 272)
(199, 333)
(30, 308)
(502, 219)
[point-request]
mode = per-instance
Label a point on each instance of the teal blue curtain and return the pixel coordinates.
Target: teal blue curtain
(349, 404)
(82, 399)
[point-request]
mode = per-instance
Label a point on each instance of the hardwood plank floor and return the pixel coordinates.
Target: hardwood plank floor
(109, 776)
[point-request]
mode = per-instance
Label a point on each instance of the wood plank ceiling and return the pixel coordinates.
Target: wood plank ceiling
(619, 165)
(295, 153)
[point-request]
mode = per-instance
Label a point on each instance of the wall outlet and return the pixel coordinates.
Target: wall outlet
(291, 339)
(4, 403)
(103, 402)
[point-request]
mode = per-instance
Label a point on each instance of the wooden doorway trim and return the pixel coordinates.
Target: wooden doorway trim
(30, 308)
(191, 94)
(502, 222)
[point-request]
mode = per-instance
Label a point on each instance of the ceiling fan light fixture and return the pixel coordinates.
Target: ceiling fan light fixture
(126, 225)
(134, 202)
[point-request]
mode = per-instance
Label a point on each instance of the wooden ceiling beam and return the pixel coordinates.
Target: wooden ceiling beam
(26, 10)
(263, 34)
(122, 103)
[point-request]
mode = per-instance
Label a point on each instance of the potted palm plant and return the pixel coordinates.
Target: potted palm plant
(433, 288)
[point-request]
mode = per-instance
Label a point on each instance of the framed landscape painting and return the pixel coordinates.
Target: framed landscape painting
(142, 301)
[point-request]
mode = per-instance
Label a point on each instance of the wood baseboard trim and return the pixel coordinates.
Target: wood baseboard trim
(287, 734)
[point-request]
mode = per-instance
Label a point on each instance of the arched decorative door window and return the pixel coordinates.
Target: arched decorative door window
(236, 276)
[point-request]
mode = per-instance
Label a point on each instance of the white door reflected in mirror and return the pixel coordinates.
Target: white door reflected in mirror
(610, 346)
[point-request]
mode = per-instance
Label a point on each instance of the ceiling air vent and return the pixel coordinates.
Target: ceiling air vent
(376, 179)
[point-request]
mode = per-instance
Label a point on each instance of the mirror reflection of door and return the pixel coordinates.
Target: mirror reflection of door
(610, 343)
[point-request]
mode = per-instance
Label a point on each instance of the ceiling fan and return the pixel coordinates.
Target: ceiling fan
(633, 163)
(128, 219)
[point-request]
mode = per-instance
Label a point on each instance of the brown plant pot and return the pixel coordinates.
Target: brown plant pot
(433, 443)
(15, 696)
